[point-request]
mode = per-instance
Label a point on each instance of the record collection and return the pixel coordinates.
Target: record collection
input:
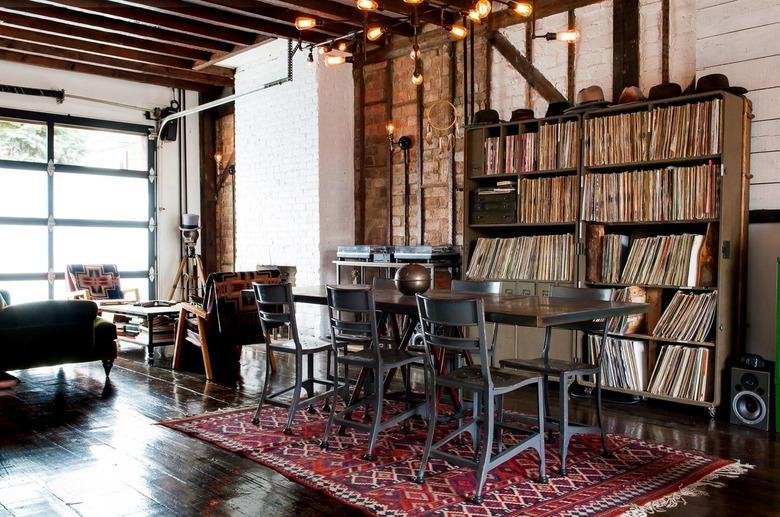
(689, 317)
(671, 194)
(535, 257)
(569, 149)
(548, 200)
(614, 251)
(630, 323)
(669, 260)
(520, 153)
(492, 152)
(617, 138)
(624, 362)
(686, 130)
(548, 146)
(681, 371)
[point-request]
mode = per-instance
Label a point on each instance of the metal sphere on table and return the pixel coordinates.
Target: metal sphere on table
(412, 279)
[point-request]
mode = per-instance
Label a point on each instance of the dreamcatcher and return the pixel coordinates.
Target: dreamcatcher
(442, 120)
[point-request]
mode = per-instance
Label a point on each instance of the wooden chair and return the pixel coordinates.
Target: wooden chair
(227, 320)
(441, 321)
(567, 370)
(99, 283)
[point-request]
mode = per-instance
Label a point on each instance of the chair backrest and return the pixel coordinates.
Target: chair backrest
(442, 323)
(275, 307)
(476, 286)
(352, 316)
(596, 326)
(101, 281)
(387, 284)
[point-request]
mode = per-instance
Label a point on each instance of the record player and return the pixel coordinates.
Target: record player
(365, 253)
(441, 253)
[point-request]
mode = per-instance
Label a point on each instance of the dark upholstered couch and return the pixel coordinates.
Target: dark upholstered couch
(51, 333)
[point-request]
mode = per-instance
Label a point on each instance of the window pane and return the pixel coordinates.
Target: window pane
(128, 248)
(23, 193)
(100, 148)
(26, 291)
(89, 196)
(23, 141)
(25, 249)
(141, 283)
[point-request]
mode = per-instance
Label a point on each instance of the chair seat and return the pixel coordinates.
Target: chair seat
(308, 345)
(391, 358)
(550, 366)
(471, 377)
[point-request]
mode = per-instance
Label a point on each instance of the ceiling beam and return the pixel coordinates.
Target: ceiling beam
(57, 29)
(96, 59)
(428, 13)
(47, 62)
(542, 9)
(111, 25)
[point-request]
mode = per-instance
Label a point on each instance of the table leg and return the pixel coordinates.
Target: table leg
(150, 344)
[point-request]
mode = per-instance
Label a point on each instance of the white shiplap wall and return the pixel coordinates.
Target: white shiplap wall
(739, 38)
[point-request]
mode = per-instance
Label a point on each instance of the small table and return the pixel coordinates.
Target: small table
(149, 314)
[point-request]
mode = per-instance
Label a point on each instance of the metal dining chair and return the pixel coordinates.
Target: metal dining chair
(440, 318)
(352, 314)
(482, 287)
(275, 307)
(567, 370)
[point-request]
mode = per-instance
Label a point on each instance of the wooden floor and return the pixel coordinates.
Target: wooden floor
(72, 444)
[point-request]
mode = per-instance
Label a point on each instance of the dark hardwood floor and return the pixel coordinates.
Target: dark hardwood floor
(73, 444)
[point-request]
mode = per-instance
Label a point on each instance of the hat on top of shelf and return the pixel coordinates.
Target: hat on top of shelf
(557, 108)
(486, 117)
(589, 98)
(664, 91)
(522, 114)
(716, 82)
(631, 94)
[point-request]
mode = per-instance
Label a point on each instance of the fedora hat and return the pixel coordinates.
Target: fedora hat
(486, 117)
(589, 98)
(664, 91)
(522, 114)
(557, 108)
(631, 94)
(716, 82)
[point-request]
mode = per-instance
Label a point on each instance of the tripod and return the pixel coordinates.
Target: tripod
(190, 269)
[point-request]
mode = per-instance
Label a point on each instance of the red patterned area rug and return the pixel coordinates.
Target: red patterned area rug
(641, 478)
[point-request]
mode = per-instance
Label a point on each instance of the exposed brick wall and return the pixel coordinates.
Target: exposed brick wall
(225, 216)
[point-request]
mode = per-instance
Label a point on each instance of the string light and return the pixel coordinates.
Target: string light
(458, 31)
(417, 78)
(413, 2)
(415, 53)
(303, 23)
(474, 16)
(483, 7)
(337, 59)
(569, 36)
(323, 49)
(366, 5)
(523, 8)
(375, 32)
(343, 46)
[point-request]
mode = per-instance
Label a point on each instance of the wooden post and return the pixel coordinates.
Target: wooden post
(360, 141)
(664, 41)
(389, 164)
(208, 184)
(625, 46)
(420, 148)
(571, 56)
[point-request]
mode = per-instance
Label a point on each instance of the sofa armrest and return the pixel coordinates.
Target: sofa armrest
(47, 322)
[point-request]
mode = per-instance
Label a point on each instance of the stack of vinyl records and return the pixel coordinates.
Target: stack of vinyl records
(615, 247)
(689, 317)
(631, 323)
(624, 362)
(671, 260)
(492, 162)
(569, 149)
(536, 257)
(548, 146)
(548, 200)
(520, 153)
(681, 371)
(671, 194)
(687, 130)
(617, 138)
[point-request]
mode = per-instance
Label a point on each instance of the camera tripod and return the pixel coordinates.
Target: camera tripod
(190, 270)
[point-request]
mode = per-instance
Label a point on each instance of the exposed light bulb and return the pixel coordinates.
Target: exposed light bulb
(343, 46)
(324, 49)
(335, 59)
(569, 36)
(458, 31)
(366, 5)
(375, 32)
(415, 53)
(483, 7)
(523, 8)
(303, 23)
(413, 2)
(474, 16)
(390, 127)
(417, 78)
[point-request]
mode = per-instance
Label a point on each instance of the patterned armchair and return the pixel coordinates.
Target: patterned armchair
(97, 282)
(226, 321)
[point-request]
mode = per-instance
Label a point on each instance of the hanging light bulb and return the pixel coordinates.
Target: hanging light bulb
(343, 46)
(523, 8)
(375, 32)
(415, 53)
(323, 49)
(366, 5)
(474, 16)
(569, 36)
(483, 7)
(390, 127)
(413, 2)
(417, 78)
(303, 23)
(335, 59)
(458, 31)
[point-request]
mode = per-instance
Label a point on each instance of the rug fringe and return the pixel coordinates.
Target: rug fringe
(696, 489)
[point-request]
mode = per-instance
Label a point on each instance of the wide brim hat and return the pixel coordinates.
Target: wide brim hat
(522, 114)
(717, 82)
(557, 108)
(631, 94)
(664, 91)
(486, 117)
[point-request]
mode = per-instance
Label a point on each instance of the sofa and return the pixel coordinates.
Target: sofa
(54, 332)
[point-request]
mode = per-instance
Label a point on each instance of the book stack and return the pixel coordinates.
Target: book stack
(569, 149)
(664, 260)
(614, 250)
(617, 138)
(548, 200)
(520, 153)
(624, 363)
(681, 371)
(536, 257)
(685, 131)
(689, 317)
(492, 148)
(671, 194)
(548, 146)
(631, 323)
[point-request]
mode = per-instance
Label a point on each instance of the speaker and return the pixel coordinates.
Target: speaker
(751, 397)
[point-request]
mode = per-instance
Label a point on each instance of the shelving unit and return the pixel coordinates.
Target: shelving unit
(722, 261)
